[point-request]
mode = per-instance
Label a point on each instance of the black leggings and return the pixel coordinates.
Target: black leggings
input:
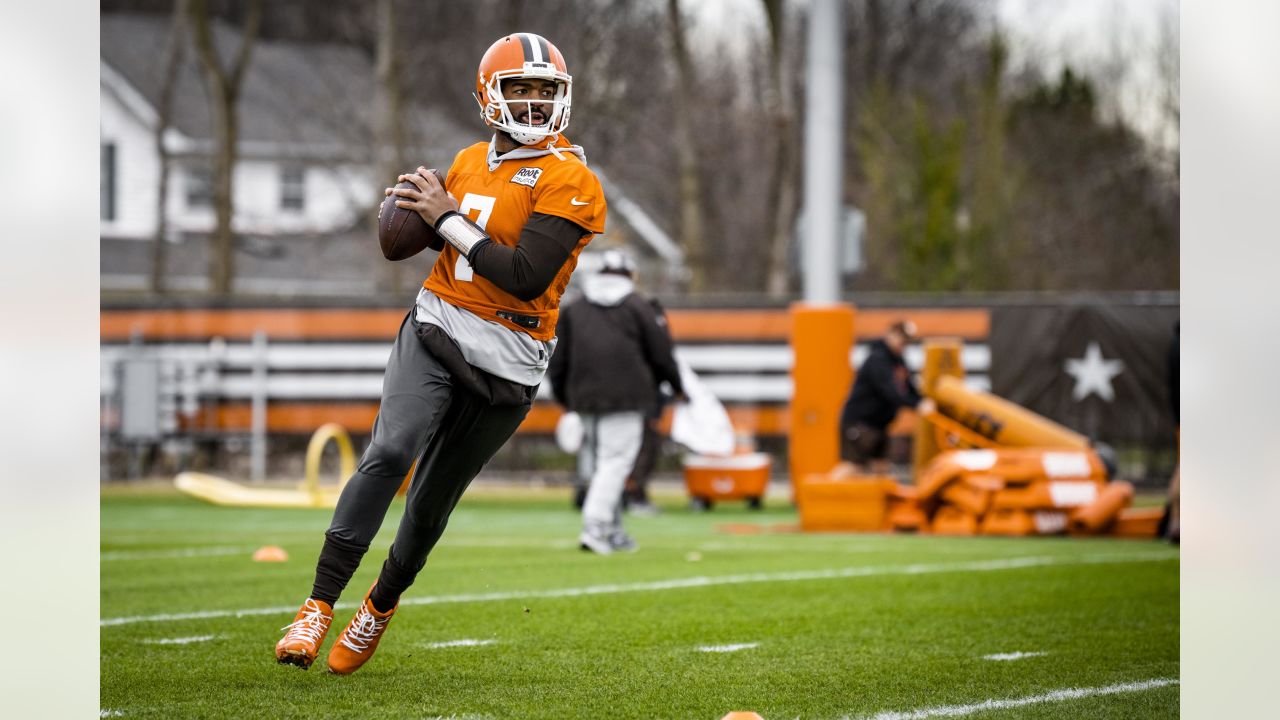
(425, 414)
(862, 443)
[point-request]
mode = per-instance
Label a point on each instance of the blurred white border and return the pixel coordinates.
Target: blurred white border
(1230, 344)
(49, 356)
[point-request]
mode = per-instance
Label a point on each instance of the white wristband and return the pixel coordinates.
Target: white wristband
(460, 232)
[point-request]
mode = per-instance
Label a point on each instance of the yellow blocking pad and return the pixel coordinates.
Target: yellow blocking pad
(221, 491)
(309, 494)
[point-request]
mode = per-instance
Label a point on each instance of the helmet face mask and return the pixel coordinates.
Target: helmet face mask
(529, 57)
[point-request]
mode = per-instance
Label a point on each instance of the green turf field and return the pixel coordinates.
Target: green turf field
(510, 620)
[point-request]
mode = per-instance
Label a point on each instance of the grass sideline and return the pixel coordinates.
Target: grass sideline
(834, 626)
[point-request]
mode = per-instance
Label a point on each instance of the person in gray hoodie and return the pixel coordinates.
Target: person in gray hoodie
(614, 349)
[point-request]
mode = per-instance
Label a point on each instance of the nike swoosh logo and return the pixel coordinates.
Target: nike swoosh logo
(574, 201)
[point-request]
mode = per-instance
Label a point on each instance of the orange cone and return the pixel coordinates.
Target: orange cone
(742, 715)
(270, 553)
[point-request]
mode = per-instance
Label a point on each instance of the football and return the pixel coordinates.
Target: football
(403, 233)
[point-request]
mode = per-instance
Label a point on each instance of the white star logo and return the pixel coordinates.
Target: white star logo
(1093, 374)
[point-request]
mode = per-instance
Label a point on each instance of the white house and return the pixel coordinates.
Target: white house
(304, 162)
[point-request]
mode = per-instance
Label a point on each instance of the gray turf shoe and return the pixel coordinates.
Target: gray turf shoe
(620, 541)
(595, 539)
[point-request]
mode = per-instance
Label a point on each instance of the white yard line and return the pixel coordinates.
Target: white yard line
(466, 642)
(180, 640)
(764, 547)
(690, 582)
(1013, 655)
(110, 713)
(514, 542)
(1049, 697)
(178, 553)
(727, 648)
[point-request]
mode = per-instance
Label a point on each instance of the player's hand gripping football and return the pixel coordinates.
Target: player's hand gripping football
(427, 197)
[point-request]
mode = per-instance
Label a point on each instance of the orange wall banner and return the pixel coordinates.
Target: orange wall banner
(687, 325)
(357, 417)
(279, 325)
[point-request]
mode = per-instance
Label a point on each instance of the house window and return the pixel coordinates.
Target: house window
(293, 188)
(108, 184)
(199, 186)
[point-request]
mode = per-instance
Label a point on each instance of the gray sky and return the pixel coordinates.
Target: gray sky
(1115, 40)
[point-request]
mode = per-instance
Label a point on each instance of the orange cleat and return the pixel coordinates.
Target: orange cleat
(301, 644)
(359, 639)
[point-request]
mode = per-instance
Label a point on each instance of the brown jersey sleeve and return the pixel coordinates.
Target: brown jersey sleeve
(528, 269)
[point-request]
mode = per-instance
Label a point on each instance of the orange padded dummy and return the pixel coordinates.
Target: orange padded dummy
(966, 496)
(1023, 522)
(1137, 523)
(1014, 465)
(1098, 515)
(906, 516)
(1000, 420)
(951, 520)
(1044, 494)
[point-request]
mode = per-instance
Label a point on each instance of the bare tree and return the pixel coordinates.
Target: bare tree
(780, 213)
(989, 238)
(389, 140)
(224, 90)
(1167, 73)
(172, 63)
(687, 152)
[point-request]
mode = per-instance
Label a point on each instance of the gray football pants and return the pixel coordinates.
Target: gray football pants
(423, 414)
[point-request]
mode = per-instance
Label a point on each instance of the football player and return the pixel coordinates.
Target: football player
(510, 221)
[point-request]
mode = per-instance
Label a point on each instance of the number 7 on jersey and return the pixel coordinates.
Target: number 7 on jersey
(483, 205)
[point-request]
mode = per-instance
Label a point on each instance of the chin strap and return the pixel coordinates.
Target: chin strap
(559, 153)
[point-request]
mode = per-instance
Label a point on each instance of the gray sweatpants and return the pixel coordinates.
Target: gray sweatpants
(424, 414)
(609, 452)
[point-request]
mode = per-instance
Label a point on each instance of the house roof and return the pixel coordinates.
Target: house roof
(295, 95)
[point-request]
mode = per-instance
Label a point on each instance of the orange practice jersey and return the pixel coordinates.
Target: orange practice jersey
(501, 202)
